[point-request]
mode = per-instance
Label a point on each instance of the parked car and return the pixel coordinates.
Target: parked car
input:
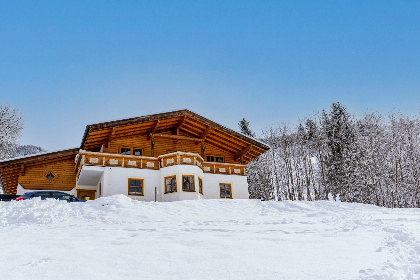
(50, 194)
(8, 197)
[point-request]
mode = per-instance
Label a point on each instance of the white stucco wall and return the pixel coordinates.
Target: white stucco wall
(211, 189)
(178, 171)
(115, 181)
(90, 178)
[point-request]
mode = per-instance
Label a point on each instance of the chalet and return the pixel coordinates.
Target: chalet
(171, 156)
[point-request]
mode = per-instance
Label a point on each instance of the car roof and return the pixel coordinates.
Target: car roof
(45, 192)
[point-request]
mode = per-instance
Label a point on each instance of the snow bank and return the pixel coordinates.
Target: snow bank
(119, 238)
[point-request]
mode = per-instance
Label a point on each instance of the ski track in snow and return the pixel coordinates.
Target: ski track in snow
(119, 238)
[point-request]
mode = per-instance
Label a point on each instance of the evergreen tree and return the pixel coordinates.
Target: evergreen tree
(259, 171)
(338, 129)
(244, 127)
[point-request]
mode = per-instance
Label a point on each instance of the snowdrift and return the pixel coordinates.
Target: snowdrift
(119, 238)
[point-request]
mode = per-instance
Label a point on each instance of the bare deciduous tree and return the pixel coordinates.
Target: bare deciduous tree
(11, 125)
(331, 155)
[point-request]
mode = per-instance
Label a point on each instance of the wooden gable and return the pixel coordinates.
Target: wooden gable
(169, 132)
(32, 171)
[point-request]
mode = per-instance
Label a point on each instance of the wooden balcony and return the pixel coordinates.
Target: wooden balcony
(224, 168)
(114, 160)
(178, 158)
(155, 163)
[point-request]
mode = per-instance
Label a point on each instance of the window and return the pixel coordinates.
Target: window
(188, 183)
(127, 151)
(137, 152)
(42, 195)
(200, 185)
(57, 195)
(135, 187)
(170, 184)
(50, 176)
(61, 196)
(214, 159)
(225, 190)
(64, 196)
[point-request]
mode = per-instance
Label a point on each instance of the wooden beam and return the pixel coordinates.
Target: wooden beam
(243, 152)
(155, 126)
(205, 133)
(108, 141)
(203, 137)
(22, 170)
(203, 149)
(111, 134)
(221, 147)
(178, 126)
(152, 146)
(153, 130)
(176, 137)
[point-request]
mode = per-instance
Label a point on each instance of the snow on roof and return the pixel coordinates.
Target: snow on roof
(35, 155)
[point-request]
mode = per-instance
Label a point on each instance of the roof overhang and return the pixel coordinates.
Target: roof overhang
(190, 123)
(38, 157)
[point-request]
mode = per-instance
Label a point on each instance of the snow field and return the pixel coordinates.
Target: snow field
(119, 238)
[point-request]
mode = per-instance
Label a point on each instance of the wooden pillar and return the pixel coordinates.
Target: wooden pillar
(203, 149)
(152, 145)
(110, 137)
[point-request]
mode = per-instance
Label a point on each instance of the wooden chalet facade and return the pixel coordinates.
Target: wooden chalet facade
(170, 156)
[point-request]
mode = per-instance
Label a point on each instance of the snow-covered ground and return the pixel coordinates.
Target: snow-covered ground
(118, 238)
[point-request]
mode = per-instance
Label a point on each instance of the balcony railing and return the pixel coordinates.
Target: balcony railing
(178, 158)
(223, 168)
(155, 163)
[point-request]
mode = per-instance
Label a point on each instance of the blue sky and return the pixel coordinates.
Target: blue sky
(66, 64)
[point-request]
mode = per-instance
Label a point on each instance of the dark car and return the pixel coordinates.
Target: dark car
(8, 197)
(50, 194)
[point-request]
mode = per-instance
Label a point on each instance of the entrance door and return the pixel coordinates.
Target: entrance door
(86, 194)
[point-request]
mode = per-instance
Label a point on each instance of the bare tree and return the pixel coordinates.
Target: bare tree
(11, 125)
(370, 160)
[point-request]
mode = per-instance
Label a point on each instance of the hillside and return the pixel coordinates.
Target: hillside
(118, 238)
(25, 150)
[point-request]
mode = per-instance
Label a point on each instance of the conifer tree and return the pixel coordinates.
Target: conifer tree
(245, 129)
(338, 129)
